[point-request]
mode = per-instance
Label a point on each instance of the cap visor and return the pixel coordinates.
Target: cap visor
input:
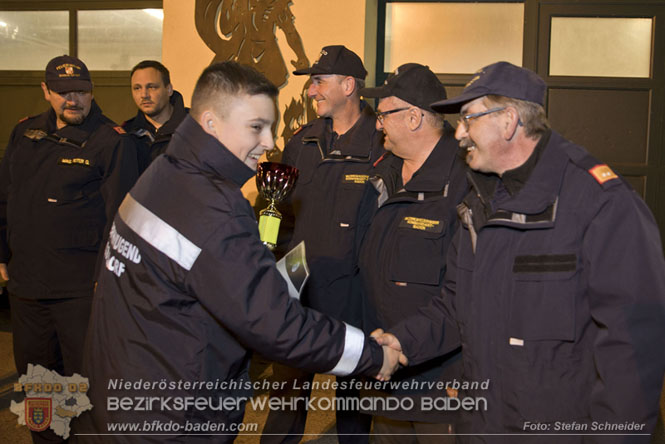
(309, 71)
(61, 86)
(378, 92)
(452, 106)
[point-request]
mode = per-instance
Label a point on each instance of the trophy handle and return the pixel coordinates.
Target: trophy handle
(269, 221)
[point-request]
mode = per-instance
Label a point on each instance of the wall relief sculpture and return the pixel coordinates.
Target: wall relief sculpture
(245, 31)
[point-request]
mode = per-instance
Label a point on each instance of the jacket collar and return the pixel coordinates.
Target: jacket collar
(543, 185)
(178, 114)
(198, 148)
(515, 179)
(356, 141)
(434, 173)
(78, 133)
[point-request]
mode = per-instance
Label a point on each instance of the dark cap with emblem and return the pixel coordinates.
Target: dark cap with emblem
(411, 82)
(336, 59)
(501, 79)
(66, 73)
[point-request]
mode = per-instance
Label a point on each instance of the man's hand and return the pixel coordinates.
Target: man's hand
(390, 364)
(392, 354)
(4, 274)
(390, 340)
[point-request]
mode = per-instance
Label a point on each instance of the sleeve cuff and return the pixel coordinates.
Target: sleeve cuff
(354, 342)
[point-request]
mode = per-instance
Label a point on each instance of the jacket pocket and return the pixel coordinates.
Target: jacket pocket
(76, 222)
(65, 197)
(543, 300)
(418, 256)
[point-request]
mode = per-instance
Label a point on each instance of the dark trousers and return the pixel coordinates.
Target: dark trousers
(50, 333)
(287, 426)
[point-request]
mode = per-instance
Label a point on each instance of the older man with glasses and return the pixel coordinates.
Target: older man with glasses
(556, 280)
(407, 221)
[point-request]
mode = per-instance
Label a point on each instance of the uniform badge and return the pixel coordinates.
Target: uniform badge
(355, 178)
(35, 134)
(74, 161)
(119, 130)
(38, 413)
(602, 173)
(421, 224)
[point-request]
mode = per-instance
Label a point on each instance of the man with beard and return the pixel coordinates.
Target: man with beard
(161, 109)
(556, 280)
(62, 179)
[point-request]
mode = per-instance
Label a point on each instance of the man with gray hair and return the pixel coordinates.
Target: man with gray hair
(556, 280)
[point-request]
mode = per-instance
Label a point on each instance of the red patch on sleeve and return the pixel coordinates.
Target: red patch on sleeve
(119, 130)
(602, 173)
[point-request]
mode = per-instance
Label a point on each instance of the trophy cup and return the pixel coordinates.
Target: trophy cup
(274, 181)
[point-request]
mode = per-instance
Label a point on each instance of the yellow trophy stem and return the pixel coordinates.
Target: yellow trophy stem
(269, 221)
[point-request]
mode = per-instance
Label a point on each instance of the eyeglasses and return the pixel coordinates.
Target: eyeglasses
(464, 120)
(381, 115)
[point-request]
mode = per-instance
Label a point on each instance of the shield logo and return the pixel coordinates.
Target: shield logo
(69, 70)
(38, 413)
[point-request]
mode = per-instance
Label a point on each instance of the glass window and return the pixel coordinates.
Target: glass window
(119, 39)
(600, 46)
(467, 36)
(29, 39)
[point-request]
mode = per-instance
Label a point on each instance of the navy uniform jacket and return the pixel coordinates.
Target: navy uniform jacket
(185, 298)
(59, 190)
(406, 231)
(152, 142)
(324, 202)
(559, 295)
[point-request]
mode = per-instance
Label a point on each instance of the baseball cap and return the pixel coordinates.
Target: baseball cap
(66, 73)
(336, 59)
(411, 82)
(501, 79)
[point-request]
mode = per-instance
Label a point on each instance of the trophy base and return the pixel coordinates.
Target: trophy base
(268, 229)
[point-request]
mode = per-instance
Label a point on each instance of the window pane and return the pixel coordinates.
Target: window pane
(119, 39)
(600, 47)
(29, 39)
(459, 38)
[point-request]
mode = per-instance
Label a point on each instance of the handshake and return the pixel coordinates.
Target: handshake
(392, 354)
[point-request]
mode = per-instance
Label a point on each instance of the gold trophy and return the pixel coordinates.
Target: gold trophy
(274, 181)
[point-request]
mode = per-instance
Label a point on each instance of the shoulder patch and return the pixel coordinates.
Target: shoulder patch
(24, 119)
(119, 130)
(602, 173)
